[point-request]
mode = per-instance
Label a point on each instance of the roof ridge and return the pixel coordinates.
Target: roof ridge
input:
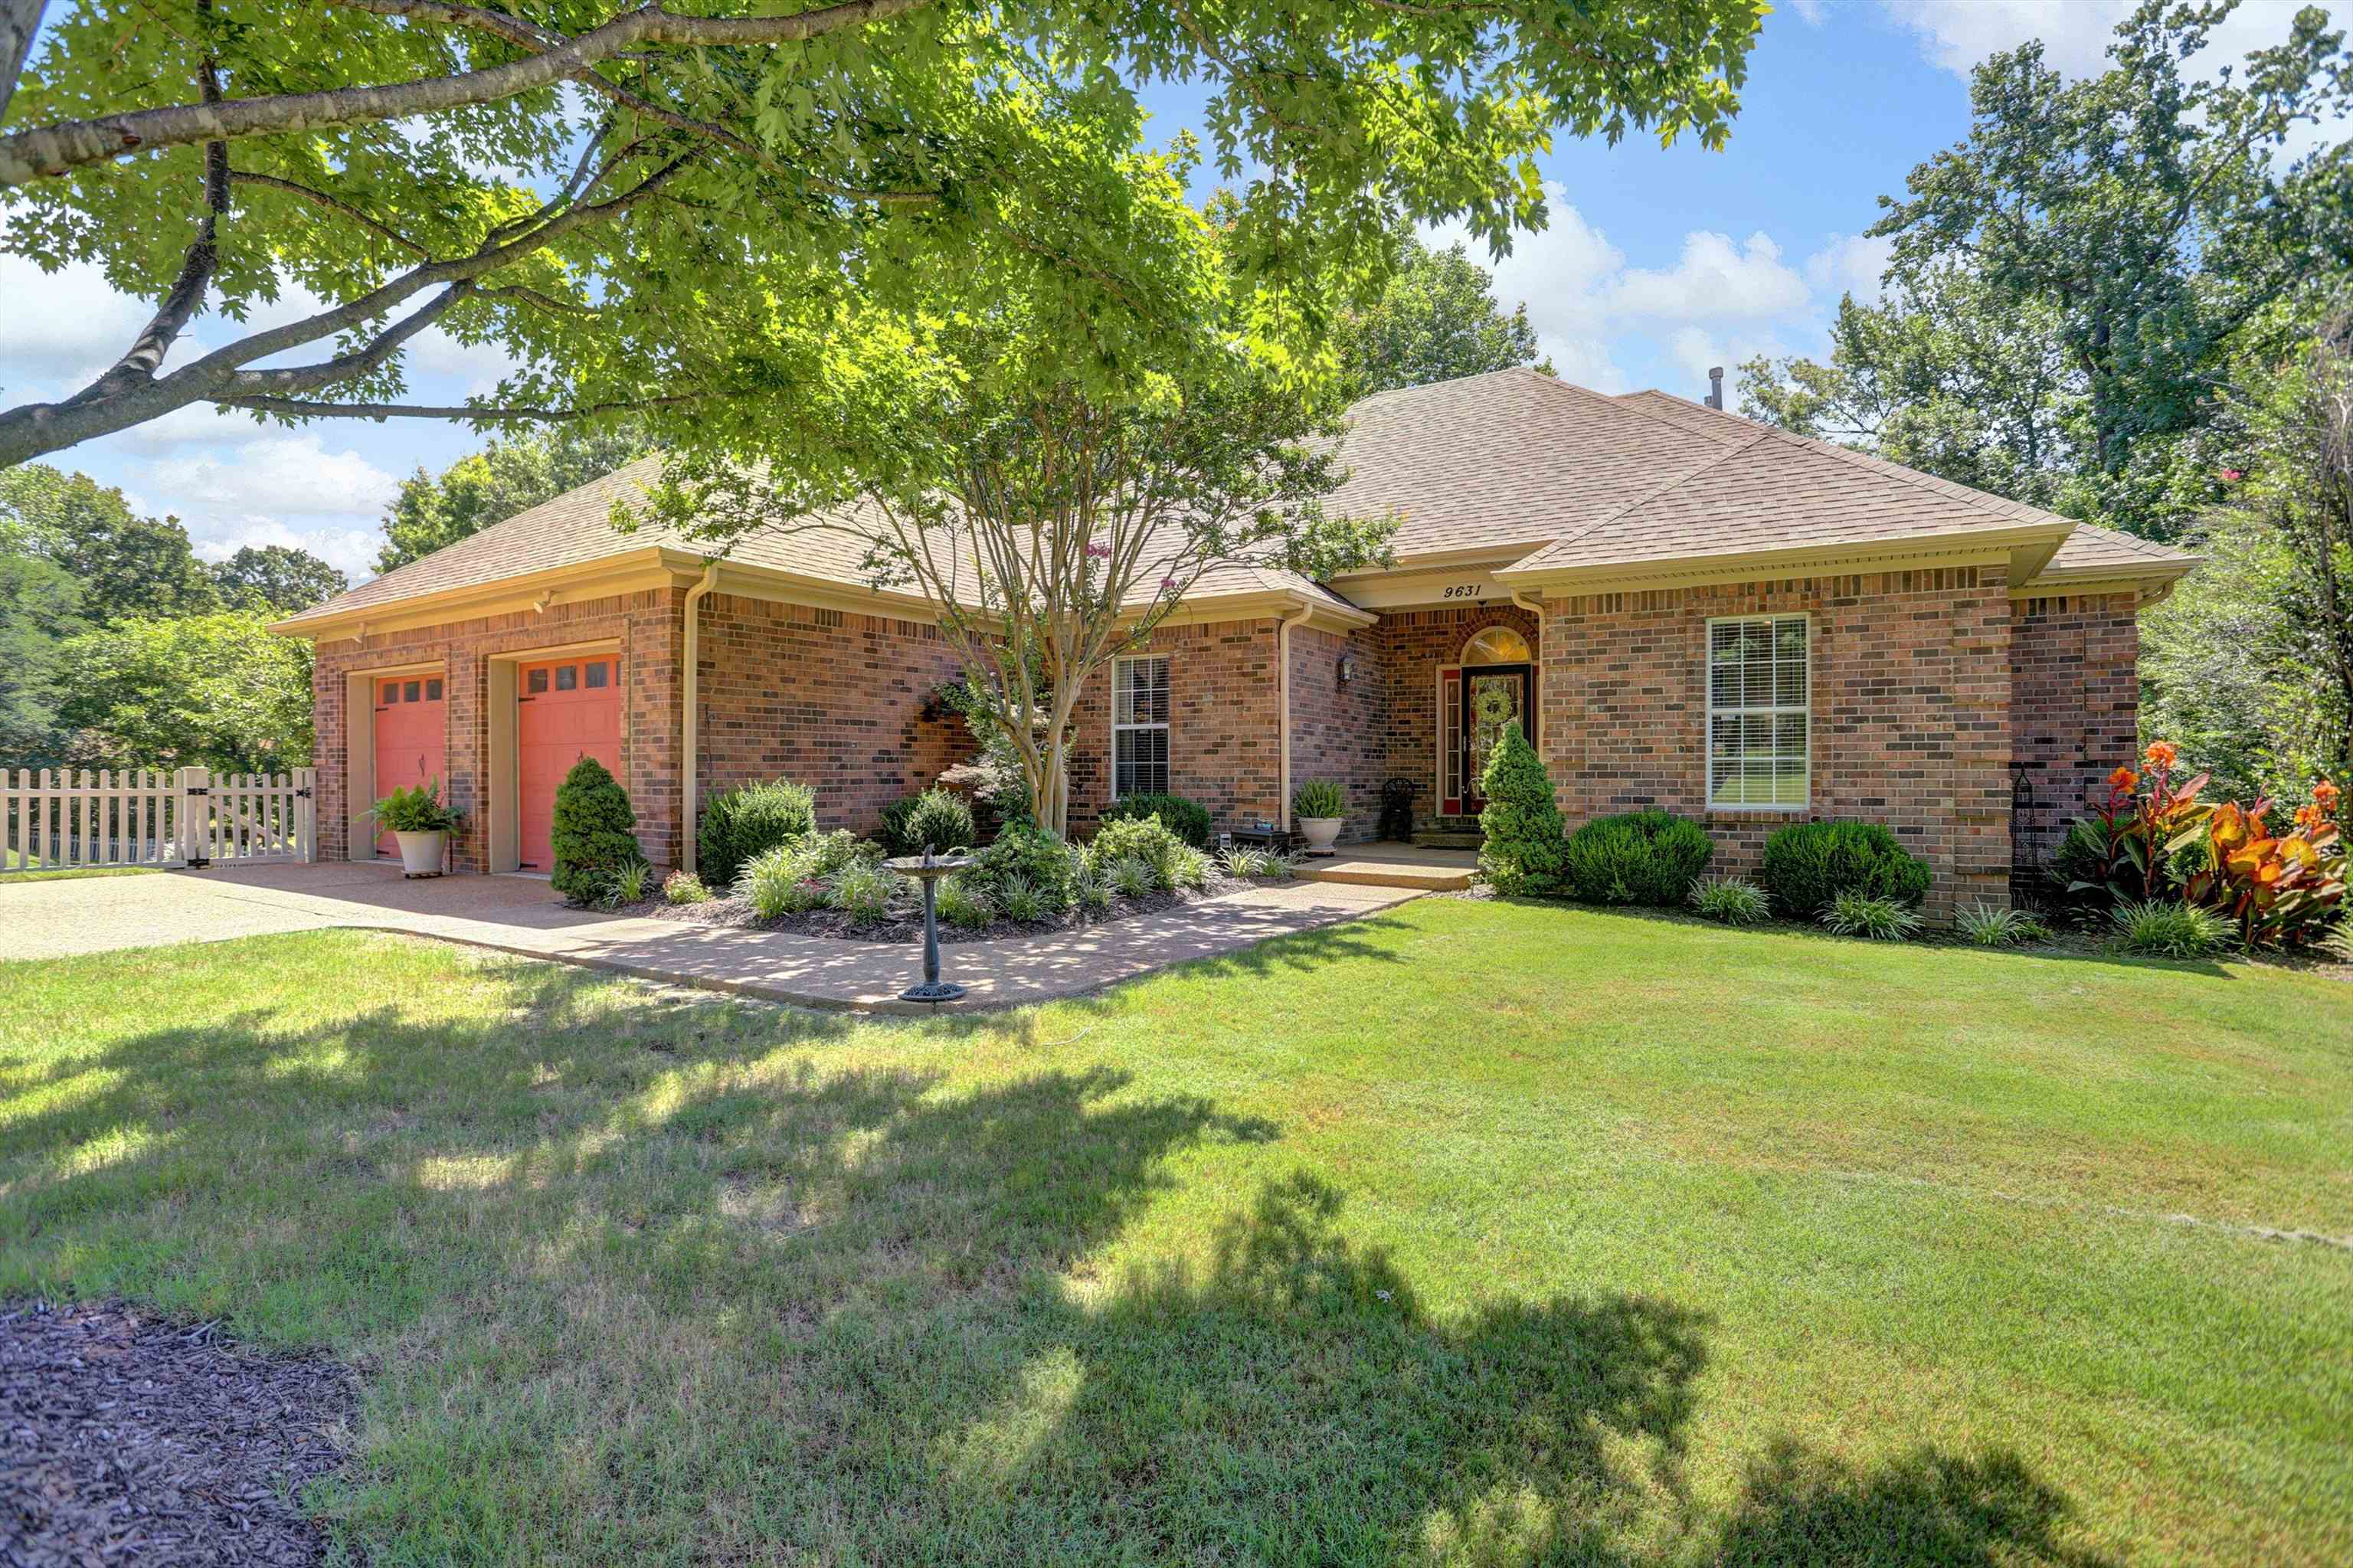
(1649, 495)
(1616, 401)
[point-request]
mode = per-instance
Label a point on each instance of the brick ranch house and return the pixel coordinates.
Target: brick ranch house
(1692, 610)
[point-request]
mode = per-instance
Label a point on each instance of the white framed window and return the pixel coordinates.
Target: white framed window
(1139, 726)
(1760, 713)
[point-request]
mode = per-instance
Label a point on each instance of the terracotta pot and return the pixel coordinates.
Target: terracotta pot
(420, 853)
(1321, 832)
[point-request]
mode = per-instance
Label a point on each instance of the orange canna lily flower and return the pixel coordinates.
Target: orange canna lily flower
(2123, 778)
(2162, 755)
(2308, 816)
(2325, 795)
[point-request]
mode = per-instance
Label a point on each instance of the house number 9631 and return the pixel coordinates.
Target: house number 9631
(1464, 590)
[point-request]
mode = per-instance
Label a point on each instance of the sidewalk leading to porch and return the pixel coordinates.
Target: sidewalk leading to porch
(521, 916)
(1395, 865)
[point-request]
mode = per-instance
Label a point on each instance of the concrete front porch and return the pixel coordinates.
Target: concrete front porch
(1395, 865)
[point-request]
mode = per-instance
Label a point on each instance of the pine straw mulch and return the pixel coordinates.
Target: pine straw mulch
(904, 920)
(125, 1438)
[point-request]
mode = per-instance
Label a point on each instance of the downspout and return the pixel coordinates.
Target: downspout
(690, 689)
(1536, 611)
(1283, 657)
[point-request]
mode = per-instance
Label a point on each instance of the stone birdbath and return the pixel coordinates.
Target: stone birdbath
(928, 870)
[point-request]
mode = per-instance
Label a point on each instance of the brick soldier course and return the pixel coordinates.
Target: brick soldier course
(1971, 662)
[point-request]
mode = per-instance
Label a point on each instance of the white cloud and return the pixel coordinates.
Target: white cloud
(479, 367)
(1811, 10)
(64, 327)
(1714, 281)
(1849, 264)
(351, 549)
(275, 476)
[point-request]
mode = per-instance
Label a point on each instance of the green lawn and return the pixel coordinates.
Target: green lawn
(73, 873)
(1474, 1234)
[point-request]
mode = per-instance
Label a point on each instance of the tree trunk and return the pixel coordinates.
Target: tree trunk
(19, 20)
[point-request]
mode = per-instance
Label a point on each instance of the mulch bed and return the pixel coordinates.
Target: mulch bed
(905, 922)
(131, 1439)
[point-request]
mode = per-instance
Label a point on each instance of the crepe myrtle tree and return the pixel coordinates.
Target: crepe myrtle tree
(1051, 507)
(328, 185)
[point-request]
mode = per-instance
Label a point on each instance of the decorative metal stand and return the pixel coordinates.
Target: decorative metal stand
(928, 870)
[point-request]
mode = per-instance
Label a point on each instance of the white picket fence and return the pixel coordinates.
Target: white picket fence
(189, 817)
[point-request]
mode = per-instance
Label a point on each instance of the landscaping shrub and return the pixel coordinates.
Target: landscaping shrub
(959, 904)
(685, 887)
(742, 822)
(593, 834)
(1188, 819)
(1524, 846)
(1873, 916)
(781, 881)
(2164, 929)
(1734, 900)
(1643, 857)
(1247, 864)
(1089, 887)
(1026, 852)
(1021, 900)
(1132, 878)
(629, 884)
(1143, 839)
(830, 854)
(863, 892)
(1807, 865)
(939, 817)
(1993, 925)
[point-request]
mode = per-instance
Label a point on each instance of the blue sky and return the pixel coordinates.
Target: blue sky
(1656, 264)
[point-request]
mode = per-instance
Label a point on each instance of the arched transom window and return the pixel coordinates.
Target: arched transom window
(1496, 645)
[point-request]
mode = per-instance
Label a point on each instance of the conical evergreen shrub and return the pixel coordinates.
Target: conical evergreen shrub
(1523, 827)
(593, 832)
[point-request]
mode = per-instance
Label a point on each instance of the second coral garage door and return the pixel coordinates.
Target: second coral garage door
(566, 709)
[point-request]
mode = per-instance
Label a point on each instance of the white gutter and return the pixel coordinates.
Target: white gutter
(1282, 656)
(689, 692)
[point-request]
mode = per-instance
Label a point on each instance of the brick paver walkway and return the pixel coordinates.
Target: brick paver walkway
(521, 914)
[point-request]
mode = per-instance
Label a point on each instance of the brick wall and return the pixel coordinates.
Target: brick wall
(1224, 734)
(1911, 712)
(1340, 729)
(647, 625)
(2075, 713)
(827, 698)
(1414, 644)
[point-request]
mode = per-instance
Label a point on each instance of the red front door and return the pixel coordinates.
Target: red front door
(566, 709)
(409, 739)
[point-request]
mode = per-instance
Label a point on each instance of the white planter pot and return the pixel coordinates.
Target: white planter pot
(420, 853)
(1321, 832)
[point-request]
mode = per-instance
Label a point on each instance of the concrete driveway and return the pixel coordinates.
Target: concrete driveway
(522, 914)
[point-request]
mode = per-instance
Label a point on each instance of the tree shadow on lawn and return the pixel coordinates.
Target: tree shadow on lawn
(618, 1297)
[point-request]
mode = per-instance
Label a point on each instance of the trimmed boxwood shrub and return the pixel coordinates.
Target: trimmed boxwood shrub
(740, 823)
(593, 832)
(1642, 857)
(1807, 865)
(1523, 847)
(1148, 841)
(1188, 819)
(937, 817)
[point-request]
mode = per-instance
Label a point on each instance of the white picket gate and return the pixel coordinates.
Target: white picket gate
(143, 817)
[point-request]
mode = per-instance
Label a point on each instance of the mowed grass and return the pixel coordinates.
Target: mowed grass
(1473, 1234)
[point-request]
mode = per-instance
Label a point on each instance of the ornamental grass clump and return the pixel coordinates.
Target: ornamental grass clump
(863, 892)
(1650, 857)
(1999, 925)
(593, 834)
(1020, 900)
(1132, 878)
(1870, 915)
(781, 881)
(1523, 848)
(1027, 853)
(2167, 929)
(1807, 865)
(748, 820)
(960, 906)
(1734, 900)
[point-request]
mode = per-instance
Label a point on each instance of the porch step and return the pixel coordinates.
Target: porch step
(1394, 865)
(1450, 838)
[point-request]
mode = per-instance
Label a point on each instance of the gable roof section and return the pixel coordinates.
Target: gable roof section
(1509, 458)
(1555, 485)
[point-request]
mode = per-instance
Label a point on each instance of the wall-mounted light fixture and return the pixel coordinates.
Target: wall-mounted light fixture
(1347, 668)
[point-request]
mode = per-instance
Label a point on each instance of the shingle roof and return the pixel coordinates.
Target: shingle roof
(1514, 461)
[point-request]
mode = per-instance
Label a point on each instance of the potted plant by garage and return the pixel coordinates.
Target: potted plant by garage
(422, 821)
(1321, 806)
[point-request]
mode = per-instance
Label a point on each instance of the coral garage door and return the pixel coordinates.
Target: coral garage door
(409, 744)
(566, 709)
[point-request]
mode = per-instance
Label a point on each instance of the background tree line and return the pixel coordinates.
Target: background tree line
(2120, 297)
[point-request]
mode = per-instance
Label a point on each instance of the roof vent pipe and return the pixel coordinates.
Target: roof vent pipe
(1715, 387)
